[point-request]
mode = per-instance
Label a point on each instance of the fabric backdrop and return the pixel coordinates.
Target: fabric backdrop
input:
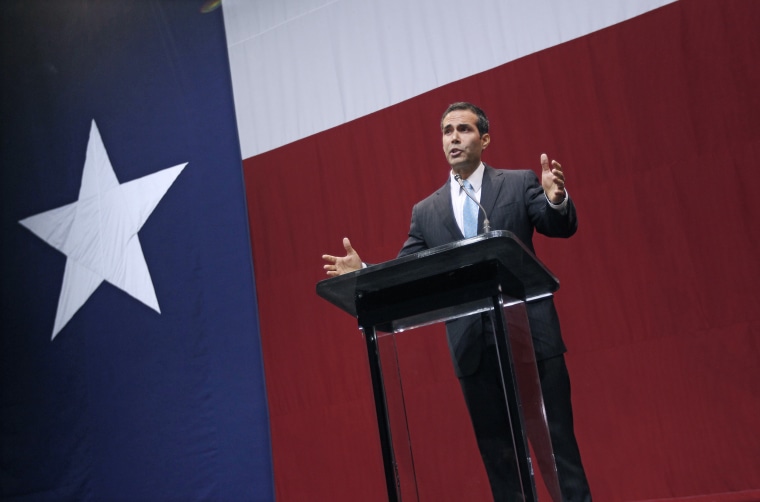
(655, 117)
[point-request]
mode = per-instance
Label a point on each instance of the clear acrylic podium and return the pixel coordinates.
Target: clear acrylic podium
(491, 272)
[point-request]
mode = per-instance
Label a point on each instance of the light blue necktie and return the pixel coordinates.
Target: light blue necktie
(470, 213)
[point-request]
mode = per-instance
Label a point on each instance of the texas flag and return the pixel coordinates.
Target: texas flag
(130, 358)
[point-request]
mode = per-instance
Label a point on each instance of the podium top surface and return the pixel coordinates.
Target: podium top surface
(518, 272)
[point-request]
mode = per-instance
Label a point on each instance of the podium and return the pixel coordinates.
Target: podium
(492, 272)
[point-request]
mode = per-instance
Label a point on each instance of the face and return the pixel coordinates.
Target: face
(462, 143)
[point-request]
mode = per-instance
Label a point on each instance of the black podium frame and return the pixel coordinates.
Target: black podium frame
(473, 275)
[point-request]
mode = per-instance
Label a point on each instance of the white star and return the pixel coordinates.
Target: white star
(98, 233)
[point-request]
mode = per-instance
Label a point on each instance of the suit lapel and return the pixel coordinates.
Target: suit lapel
(443, 206)
(492, 185)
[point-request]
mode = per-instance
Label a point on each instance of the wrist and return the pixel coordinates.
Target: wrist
(560, 204)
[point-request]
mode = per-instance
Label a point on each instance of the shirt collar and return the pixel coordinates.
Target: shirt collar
(475, 179)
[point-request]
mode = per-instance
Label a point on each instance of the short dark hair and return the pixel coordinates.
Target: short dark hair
(463, 105)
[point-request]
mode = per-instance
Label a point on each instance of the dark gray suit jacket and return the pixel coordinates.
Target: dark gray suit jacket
(514, 201)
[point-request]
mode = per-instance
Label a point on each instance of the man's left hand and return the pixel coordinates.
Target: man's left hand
(553, 180)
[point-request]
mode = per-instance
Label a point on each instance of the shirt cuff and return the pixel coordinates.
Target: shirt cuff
(562, 206)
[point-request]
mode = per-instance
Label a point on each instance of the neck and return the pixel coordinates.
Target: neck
(465, 171)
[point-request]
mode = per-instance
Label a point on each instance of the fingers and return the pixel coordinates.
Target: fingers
(330, 267)
(334, 264)
(553, 179)
(546, 166)
(555, 168)
(559, 176)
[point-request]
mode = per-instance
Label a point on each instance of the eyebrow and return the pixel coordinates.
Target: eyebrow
(458, 126)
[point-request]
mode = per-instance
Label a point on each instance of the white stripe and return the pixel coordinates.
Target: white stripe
(303, 66)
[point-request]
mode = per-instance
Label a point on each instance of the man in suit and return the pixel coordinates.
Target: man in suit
(517, 202)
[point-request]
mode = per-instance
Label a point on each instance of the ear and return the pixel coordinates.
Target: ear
(485, 140)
